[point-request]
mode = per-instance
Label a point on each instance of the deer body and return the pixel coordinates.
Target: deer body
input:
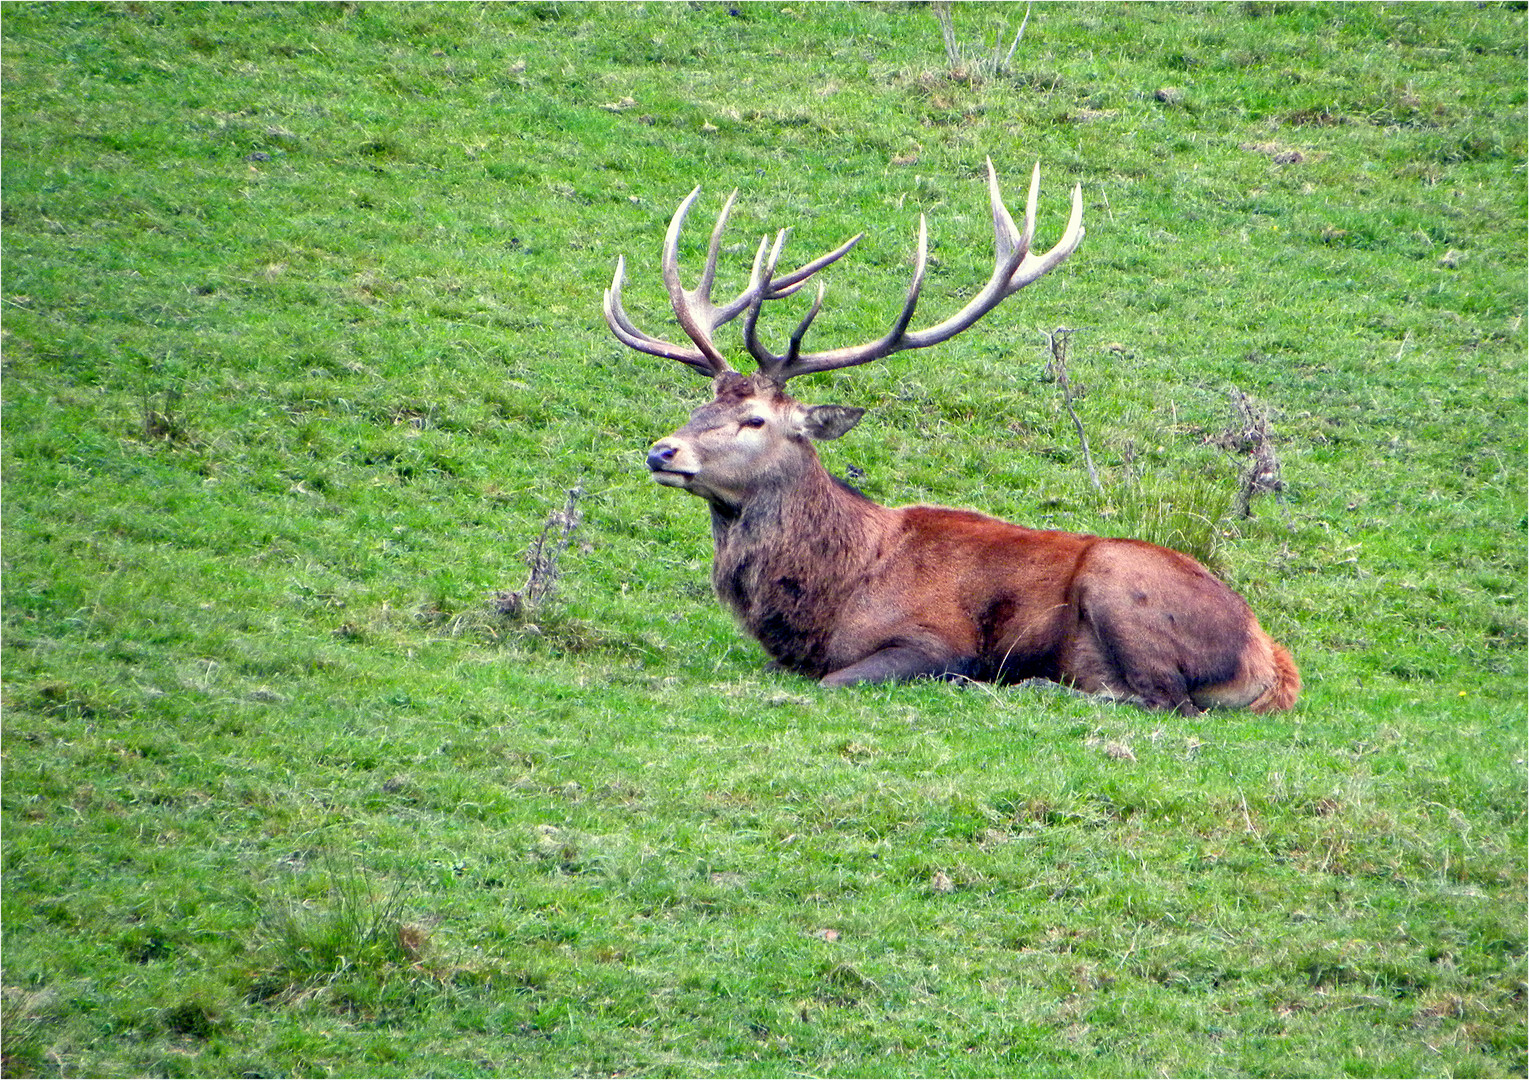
(841, 589)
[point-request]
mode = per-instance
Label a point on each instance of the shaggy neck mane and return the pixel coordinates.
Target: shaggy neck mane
(784, 557)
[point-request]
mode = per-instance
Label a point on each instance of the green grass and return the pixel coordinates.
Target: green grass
(303, 344)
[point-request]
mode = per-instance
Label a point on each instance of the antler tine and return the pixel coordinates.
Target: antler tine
(1014, 268)
(715, 245)
(698, 316)
(1030, 200)
(801, 328)
(787, 285)
(628, 334)
(768, 287)
(914, 286)
(1008, 238)
(759, 286)
(704, 356)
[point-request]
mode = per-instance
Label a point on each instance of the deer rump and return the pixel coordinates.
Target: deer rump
(956, 594)
(840, 588)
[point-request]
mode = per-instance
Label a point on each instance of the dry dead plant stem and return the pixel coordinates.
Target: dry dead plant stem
(988, 66)
(542, 558)
(1057, 368)
(1251, 436)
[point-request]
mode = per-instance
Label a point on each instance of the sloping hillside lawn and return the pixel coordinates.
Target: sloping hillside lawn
(303, 350)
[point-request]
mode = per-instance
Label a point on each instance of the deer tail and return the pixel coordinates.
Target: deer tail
(1282, 693)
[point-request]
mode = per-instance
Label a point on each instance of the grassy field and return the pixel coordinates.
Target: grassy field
(303, 345)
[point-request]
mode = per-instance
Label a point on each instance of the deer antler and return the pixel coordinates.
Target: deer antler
(1015, 266)
(698, 316)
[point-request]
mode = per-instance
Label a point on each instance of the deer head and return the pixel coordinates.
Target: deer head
(752, 432)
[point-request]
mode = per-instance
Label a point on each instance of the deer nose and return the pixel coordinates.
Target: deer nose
(660, 456)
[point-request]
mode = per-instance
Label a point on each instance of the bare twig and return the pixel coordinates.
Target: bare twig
(948, 31)
(979, 64)
(542, 558)
(1017, 38)
(1251, 436)
(1057, 369)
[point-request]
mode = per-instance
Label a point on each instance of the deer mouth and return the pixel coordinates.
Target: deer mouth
(672, 477)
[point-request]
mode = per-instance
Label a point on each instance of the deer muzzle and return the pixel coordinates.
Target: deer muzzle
(661, 463)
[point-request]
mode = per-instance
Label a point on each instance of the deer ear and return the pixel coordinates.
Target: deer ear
(824, 422)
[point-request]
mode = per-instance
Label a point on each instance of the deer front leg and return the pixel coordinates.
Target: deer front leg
(898, 663)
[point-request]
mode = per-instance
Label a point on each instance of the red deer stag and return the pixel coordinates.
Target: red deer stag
(844, 590)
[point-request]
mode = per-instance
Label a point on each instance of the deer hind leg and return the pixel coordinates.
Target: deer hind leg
(1266, 679)
(1122, 658)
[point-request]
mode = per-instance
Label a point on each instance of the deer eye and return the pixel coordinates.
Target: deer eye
(754, 421)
